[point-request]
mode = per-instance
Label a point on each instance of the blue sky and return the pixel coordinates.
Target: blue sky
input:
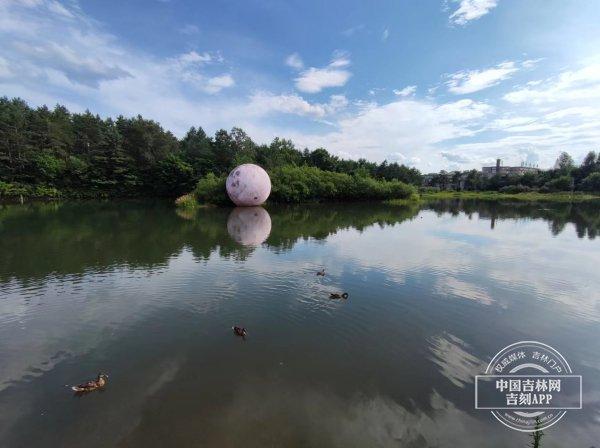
(437, 84)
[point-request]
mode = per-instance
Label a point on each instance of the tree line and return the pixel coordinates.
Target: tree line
(52, 152)
(565, 176)
(47, 152)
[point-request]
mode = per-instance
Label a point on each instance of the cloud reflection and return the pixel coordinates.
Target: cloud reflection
(456, 363)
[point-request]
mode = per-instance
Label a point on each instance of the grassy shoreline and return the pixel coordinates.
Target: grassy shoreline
(46, 194)
(496, 196)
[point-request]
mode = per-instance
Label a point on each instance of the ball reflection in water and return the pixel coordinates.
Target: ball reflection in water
(248, 185)
(249, 226)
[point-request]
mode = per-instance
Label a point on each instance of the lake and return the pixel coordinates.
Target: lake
(148, 294)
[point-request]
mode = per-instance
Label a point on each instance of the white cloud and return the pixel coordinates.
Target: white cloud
(571, 85)
(375, 90)
(314, 80)
(408, 127)
(187, 67)
(581, 111)
(59, 9)
(295, 61)
(464, 110)
(455, 158)
(4, 68)
(353, 30)
(337, 102)
(543, 135)
(531, 63)
(266, 102)
(70, 58)
(385, 35)
(340, 59)
(471, 10)
(510, 122)
(160, 89)
(407, 91)
(218, 83)
(83, 69)
(189, 30)
(193, 57)
(398, 157)
(77, 63)
(529, 156)
(470, 81)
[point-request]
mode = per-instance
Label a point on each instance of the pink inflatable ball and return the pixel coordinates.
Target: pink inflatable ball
(249, 226)
(248, 185)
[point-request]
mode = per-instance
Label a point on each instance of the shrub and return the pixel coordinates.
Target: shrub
(515, 189)
(304, 183)
(591, 183)
(10, 190)
(211, 190)
(562, 183)
(187, 201)
(48, 168)
(293, 184)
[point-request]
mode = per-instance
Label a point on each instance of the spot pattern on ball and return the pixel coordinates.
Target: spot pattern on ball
(248, 185)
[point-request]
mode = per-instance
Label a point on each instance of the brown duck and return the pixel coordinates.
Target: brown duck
(335, 295)
(92, 385)
(239, 331)
(321, 273)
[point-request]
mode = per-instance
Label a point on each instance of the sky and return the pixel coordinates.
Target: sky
(434, 84)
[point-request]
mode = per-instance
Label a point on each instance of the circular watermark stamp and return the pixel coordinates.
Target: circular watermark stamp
(528, 386)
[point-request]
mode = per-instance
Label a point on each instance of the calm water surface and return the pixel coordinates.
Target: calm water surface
(148, 295)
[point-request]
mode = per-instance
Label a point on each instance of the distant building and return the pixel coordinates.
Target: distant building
(490, 171)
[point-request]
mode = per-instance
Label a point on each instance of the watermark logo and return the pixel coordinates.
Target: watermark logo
(528, 386)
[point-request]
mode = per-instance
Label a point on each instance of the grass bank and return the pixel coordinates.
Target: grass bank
(496, 196)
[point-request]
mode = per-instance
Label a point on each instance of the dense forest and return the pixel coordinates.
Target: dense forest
(53, 152)
(46, 152)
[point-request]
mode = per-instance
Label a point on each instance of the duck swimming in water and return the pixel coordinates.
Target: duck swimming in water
(239, 331)
(321, 273)
(335, 295)
(92, 385)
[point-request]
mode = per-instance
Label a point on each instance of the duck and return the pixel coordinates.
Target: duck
(335, 295)
(239, 331)
(92, 385)
(321, 273)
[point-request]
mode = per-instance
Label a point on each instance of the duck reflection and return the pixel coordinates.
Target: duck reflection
(249, 226)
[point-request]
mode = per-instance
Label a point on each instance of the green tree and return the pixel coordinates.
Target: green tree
(196, 149)
(81, 154)
(590, 162)
(14, 121)
(592, 182)
(321, 159)
(564, 163)
(562, 183)
(174, 176)
(60, 132)
(224, 151)
(146, 142)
